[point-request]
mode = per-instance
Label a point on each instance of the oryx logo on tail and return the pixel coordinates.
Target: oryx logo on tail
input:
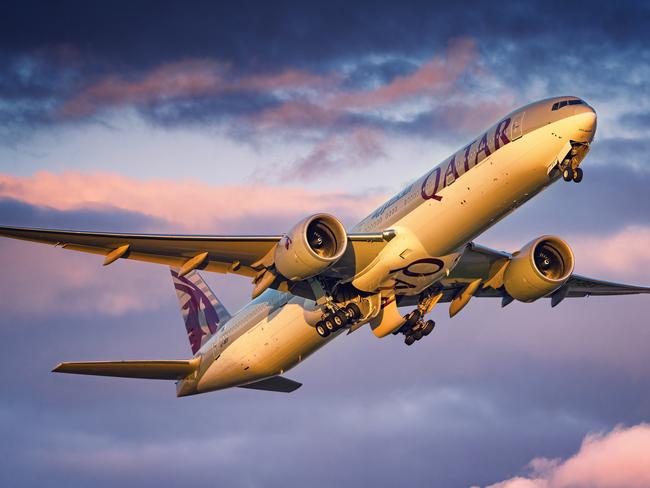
(202, 311)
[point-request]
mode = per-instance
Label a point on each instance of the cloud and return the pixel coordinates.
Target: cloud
(304, 102)
(436, 76)
(45, 280)
(357, 149)
(623, 252)
(618, 459)
(438, 85)
(189, 205)
(182, 79)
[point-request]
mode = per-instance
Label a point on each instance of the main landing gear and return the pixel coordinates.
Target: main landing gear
(415, 328)
(337, 319)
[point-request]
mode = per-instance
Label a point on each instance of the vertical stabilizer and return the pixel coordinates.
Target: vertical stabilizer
(202, 311)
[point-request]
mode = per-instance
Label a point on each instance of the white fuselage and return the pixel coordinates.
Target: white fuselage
(433, 219)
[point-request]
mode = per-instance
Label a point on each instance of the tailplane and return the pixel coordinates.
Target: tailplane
(152, 370)
(202, 311)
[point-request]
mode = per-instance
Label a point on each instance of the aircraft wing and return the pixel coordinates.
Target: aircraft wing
(480, 262)
(221, 254)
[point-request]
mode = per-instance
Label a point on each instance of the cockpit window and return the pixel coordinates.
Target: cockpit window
(564, 103)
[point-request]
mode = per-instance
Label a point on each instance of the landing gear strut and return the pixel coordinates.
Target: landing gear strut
(570, 165)
(337, 319)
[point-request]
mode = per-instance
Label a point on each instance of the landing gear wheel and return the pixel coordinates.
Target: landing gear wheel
(412, 319)
(330, 325)
(322, 331)
(340, 319)
(567, 174)
(417, 335)
(409, 340)
(577, 175)
(428, 327)
(353, 311)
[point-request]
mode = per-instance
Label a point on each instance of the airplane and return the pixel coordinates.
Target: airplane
(319, 280)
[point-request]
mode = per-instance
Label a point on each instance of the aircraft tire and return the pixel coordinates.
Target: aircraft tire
(330, 325)
(342, 317)
(417, 335)
(577, 175)
(322, 331)
(567, 174)
(353, 311)
(413, 318)
(428, 327)
(409, 340)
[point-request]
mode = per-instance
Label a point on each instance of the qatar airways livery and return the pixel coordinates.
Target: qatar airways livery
(318, 280)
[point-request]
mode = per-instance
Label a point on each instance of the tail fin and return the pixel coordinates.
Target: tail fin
(202, 311)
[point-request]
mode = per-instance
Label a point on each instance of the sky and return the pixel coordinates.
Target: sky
(206, 117)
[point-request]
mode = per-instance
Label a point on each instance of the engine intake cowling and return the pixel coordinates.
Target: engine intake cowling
(310, 247)
(538, 269)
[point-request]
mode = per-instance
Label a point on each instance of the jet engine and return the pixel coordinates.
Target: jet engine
(310, 247)
(538, 269)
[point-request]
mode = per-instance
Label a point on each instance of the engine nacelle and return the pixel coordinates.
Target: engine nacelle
(310, 247)
(538, 269)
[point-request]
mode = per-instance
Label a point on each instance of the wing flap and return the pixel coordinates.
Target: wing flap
(274, 383)
(152, 370)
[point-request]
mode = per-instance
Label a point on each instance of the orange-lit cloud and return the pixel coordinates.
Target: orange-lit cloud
(623, 253)
(304, 99)
(436, 76)
(188, 204)
(181, 79)
(619, 459)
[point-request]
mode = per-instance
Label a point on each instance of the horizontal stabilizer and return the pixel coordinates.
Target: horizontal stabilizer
(275, 383)
(153, 370)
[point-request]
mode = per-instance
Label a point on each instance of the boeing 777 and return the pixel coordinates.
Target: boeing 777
(318, 280)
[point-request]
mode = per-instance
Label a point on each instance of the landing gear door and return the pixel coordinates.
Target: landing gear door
(517, 126)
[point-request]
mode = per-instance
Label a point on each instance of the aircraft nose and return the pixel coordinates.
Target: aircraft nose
(586, 122)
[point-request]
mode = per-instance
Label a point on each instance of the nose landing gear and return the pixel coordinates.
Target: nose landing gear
(570, 165)
(572, 174)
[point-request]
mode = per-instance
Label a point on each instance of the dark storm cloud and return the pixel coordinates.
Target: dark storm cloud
(144, 33)
(73, 46)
